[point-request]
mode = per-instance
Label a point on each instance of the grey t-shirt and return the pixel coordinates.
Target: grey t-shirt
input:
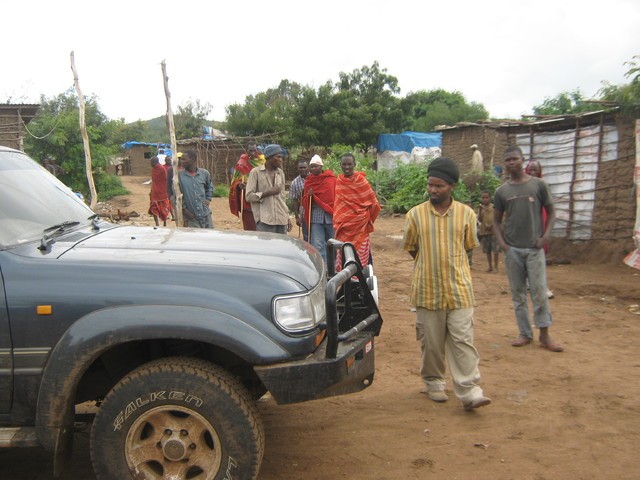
(522, 205)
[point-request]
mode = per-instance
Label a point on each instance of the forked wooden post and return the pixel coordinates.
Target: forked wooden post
(175, 161)
(85, 136)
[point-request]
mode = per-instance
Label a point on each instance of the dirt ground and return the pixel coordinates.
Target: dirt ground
(571, 415)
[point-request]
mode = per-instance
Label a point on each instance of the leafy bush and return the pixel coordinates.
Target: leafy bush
(401, 188)
(405, 186)
(221, 190)
(469, 189)
(108, 186)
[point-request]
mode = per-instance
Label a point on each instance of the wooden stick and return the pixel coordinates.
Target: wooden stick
(85, 137)
(309, 223)
(174, 148)
(242, 199)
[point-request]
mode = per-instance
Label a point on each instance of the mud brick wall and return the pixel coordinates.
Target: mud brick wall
(615, 205)
(491, 143)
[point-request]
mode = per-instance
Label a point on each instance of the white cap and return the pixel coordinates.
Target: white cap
(316, 160)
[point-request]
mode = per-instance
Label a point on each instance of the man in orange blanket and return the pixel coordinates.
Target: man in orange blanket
(159, 204)
(356, 207)
(237, 202)
(317, 200)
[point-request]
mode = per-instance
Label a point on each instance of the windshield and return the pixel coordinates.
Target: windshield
(32, 200)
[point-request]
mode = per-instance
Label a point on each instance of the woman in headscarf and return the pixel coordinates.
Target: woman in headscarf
(534, 169)
(355, 209)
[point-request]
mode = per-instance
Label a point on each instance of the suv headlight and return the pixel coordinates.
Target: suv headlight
(302, 311)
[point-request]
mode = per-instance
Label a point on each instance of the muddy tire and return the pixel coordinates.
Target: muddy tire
(179, 418)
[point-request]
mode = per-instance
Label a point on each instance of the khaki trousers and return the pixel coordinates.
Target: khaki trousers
(450, 332)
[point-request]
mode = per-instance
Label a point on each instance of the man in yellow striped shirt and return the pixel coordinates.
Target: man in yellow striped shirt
(437, 234)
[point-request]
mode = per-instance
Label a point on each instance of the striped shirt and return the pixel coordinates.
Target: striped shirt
(295, 192)
(441, 272)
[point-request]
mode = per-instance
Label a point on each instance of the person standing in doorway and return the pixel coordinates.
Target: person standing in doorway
(266, 192)
(197, 192)
(477, 162)
(436, 234)
(522, 237)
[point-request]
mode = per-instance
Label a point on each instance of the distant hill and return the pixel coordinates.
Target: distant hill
(155, 129)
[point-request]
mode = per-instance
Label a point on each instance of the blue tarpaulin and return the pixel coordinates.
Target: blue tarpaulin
(129, 144)
(407, 141)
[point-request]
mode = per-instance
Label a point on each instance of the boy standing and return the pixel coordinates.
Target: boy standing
(485, 232)
(523, 237)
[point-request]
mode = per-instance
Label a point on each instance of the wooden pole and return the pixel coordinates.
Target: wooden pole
(175, 161)
(309, 224)
(242, 190)
(85, 137)
(572, 185)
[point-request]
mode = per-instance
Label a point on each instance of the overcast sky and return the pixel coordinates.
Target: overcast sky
(507, 55)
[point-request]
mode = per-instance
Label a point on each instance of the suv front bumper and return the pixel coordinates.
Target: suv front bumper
(344, 361)
(318, 377)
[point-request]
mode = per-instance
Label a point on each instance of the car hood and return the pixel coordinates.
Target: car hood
(201, 247)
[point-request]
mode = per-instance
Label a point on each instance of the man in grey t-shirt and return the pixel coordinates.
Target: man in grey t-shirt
(523, 237)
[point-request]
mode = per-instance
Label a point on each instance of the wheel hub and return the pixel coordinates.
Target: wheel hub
(172, 441)
(174, 450)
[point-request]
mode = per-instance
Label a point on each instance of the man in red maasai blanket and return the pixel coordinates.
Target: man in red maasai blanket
(355, 209)
(317, 200)
(159, 204)
(237, 201)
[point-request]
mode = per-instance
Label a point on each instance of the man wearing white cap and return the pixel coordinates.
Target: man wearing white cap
(319, 194)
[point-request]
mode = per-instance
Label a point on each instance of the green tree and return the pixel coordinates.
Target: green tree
(56, 134)
(425, 109)
(354, 110)
(564, 103)
(266, 112)
(627, 95)
(119, 132)
(190, 118)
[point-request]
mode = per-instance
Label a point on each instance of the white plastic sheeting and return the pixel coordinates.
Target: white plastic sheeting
(390, 158)
(570, 167)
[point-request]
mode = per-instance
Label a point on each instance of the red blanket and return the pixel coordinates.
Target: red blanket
(323, 187)
(356, 208)
(243, 167)
(158, 183)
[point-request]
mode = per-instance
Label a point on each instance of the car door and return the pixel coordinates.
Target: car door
(6, 359)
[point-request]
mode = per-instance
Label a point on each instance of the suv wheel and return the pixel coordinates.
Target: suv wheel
(180, 418)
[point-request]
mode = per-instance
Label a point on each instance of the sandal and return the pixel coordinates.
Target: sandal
(552, 347)
(521, 341)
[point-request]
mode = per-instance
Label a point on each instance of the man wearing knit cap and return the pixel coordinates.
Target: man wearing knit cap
(266, 193)
(437, 235)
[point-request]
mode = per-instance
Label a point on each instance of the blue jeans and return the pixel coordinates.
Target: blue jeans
(524, 264)
(320, 233)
